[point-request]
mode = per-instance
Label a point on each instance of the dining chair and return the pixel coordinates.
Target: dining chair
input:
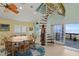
(26, 45)
(15, 47)
(8, 47)
(23, 47)
(32, 43)
(2, 48)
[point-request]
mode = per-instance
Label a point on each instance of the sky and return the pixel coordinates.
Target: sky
(72, 28)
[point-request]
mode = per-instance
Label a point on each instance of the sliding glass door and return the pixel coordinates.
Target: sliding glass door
(72, 35)
(58, 33)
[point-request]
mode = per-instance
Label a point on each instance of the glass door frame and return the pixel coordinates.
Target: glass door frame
(63, 33)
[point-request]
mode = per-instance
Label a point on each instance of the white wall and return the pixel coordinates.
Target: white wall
(52, 20)
(72, 13)
(71, 16)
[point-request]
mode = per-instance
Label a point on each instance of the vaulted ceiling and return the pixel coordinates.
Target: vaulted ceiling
(30, 11)
(27, 12)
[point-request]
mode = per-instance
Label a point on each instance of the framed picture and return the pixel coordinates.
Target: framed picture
(4, 27)
(31, 29)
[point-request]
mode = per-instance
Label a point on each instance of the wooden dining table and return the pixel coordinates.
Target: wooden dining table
(14, 43)
(21, 38)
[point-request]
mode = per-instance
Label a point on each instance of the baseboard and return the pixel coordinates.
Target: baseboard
(72, 49)
(56, 42)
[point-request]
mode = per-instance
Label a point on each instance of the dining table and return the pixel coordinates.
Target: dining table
(18, 42)
(20, 38)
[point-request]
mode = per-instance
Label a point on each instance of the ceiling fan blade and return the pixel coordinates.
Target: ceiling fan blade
(13, 8)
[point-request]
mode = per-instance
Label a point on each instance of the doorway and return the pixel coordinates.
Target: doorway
(72, 35)
(67, 34)
(58, 33)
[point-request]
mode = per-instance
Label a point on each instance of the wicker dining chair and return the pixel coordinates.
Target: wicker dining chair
(23, 47)
(8, 47)
(15, 48)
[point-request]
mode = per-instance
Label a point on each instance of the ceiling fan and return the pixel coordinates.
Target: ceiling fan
(12, 7)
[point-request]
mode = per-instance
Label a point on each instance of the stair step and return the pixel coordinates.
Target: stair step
(49, 39)
(50, 42)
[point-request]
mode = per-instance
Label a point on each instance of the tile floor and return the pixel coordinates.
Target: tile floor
(71, 43)
(59, 50)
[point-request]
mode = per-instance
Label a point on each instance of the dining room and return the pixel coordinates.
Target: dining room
(17, 30)
(35, 29)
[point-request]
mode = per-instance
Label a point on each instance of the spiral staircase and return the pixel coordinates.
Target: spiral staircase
(47, 9)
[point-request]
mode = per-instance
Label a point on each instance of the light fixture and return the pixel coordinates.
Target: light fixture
(12, 7)
(35, 13)
(20, 7)
(31, 6)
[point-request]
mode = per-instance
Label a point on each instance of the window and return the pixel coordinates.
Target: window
(20, 29)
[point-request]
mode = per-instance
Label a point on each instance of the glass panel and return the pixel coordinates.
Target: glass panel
(58, 33)
(72, 35)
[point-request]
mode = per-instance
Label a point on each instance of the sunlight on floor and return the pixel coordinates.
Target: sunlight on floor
(59, 50)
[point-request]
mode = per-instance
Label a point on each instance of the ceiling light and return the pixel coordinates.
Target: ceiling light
(20, 7)
(35, 13)
(31, 6)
